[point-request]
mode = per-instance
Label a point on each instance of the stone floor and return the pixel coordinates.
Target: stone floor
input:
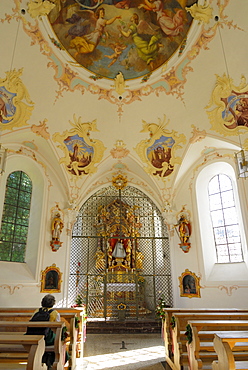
(123, 352)
(118, 352)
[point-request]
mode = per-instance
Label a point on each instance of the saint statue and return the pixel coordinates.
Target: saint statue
(57, 226)
(119, 250)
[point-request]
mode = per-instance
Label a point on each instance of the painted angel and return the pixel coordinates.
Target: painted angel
(171, 26)
(147, 49)
(87, 43)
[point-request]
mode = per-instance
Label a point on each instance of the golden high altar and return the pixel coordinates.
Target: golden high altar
(119, 259)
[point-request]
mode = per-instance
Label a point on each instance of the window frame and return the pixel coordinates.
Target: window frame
(222, 209)
(29, 271)
(15, 224)
(211, 269)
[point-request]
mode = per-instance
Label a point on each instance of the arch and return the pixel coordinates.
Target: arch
(213, 270)
(15, 220)
(28, 271)
(119, 241)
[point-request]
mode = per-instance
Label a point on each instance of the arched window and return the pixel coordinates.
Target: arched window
(220, 217)
(224, 220)
(15, 219)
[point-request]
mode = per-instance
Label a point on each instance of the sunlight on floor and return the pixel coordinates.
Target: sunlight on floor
(113, 360)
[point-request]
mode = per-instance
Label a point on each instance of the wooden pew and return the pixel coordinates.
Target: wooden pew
(224, 344)
(179, 339)
(68, 316)
(168, 319)
(34, 345)
(9, 328)
(204, 330)
(169, 316)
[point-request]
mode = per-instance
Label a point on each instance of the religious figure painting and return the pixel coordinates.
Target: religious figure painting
(81, 153)
(128, 36)
(7, 108)
(51, 279)
(189, 285)
(159, 154)
(15, 104)
(231, 105)
(158, 151)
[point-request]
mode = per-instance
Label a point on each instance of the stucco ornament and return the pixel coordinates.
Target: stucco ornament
(202, 13)
(119, 151)
(38, 8)
(228, 106)
(15, 103)
(120, 84)
(158, 151)
(81, 152)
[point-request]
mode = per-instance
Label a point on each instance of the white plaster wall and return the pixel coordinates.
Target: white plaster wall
(222, 285)
(20, 283)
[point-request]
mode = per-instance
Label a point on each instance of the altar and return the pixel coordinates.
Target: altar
(119, 259)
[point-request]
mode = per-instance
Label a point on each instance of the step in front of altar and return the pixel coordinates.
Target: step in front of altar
(129, 327)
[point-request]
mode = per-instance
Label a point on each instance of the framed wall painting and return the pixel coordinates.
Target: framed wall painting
(51, 279)
(189, 285)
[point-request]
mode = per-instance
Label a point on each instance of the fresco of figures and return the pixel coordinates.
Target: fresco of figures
(133, 37)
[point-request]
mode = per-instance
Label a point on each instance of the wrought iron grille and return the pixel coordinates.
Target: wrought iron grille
(134, 293)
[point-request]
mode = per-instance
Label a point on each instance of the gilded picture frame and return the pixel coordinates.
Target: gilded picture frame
(51, 279)
(189, 285)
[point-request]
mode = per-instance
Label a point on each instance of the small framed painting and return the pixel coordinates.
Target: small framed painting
(51, 280)
(189, 285)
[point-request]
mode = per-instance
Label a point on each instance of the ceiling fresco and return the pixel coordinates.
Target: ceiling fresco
(129, 36)
(137, 51)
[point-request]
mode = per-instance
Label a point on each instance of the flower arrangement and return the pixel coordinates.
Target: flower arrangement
(64, 334)
(160, 309)
(173, 322)
(188, 333)
(77, 321)
(78, 301)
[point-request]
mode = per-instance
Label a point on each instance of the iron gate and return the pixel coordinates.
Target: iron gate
(133, 292)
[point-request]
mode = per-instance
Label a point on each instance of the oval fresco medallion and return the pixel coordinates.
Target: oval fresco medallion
(133, 37)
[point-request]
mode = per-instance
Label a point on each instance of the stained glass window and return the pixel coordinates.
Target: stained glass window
(15, 219)
(224, 220)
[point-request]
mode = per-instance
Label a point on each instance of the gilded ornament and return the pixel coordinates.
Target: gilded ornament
(201, 13)
(120, 182)
(120, 84)
(38, 8)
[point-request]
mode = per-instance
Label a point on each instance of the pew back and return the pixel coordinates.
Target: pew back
(202, 329)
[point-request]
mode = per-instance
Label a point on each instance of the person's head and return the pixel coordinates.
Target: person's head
(135, 18)
(100, 12)
(48, 301)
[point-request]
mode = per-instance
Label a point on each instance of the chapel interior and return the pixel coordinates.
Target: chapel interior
(124, 155)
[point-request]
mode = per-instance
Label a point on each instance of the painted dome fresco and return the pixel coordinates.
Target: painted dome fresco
(133, 37)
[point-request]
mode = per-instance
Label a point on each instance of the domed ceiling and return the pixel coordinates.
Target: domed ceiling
(93, 88)
(128, 36)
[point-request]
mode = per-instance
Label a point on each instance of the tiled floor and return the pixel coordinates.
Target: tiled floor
(122, 352)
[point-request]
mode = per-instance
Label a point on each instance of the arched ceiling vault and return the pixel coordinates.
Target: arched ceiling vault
(87, 119)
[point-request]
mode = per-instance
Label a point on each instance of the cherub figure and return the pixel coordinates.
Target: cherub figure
(118, 48)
